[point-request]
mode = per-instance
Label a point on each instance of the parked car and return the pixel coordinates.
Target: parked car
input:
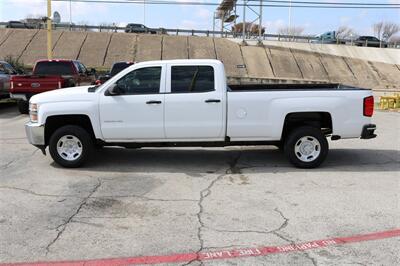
(329, 37)
(115, 69)
(49, 75)
(18, 25)
(370, 41)
(138, 28)
(6, 70)
(188, 103)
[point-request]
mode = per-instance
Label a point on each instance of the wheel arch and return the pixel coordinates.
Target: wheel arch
(56, 121)
(322, 120)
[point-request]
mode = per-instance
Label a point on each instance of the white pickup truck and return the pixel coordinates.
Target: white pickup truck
(188, 103)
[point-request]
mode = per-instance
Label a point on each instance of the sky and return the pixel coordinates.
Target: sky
(314, 21)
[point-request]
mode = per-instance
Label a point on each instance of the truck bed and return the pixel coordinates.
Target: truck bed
(289, 87)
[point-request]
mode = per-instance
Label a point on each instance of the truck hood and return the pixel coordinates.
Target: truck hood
(63, 95)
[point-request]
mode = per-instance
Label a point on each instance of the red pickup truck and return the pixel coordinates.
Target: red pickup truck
(49, 75)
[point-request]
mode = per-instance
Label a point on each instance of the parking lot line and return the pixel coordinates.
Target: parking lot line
(221, 254)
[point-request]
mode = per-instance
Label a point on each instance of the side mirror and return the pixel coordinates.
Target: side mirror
(114, 90)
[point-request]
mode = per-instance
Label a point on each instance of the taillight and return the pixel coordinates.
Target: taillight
(59, 85)
(369, 106)
(12, 85)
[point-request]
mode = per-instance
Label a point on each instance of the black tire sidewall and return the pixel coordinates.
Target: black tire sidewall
(78, 132)
(298, 133)
(23, 107)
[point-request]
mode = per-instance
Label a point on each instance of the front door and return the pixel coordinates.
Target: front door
(135, 109)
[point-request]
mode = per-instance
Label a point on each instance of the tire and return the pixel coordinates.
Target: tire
(306, 147)
(23, 107)
(66, 156)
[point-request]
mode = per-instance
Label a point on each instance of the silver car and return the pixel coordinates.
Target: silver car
(6, 70)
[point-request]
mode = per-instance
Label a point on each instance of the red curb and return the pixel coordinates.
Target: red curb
(222, 254)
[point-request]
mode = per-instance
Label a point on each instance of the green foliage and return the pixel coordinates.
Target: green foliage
(16, 64)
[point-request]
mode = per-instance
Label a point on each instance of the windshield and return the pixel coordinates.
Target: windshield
(53, 68)
(118, 67)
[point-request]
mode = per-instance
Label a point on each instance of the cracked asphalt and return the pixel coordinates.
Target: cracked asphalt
(143, 202)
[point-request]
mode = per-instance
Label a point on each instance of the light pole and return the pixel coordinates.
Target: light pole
(290, 16)
(144, 12)
(49, 34)
(70, 12)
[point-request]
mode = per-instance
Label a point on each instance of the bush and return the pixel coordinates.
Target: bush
(16, 64)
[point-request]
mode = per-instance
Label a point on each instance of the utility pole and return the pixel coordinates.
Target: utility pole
(244, 22)
(49, 34)
(260, 22)
(290, 16)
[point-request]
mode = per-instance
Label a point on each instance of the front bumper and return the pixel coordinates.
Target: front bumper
(368, 131)
(35, 133)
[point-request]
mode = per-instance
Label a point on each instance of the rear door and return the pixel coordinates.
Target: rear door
(193, 106)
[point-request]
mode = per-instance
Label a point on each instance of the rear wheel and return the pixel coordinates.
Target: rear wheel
(70, 146)
(306, 147)
(23, 107)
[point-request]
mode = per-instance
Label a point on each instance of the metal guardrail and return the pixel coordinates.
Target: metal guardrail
(210, 33)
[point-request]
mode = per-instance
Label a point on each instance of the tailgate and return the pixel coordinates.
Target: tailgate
(35, 84)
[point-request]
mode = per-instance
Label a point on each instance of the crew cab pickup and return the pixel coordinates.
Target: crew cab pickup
(49, 75)
(188, 103)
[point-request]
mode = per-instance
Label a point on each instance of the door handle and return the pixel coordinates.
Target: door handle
(153, 102)
(213, 101)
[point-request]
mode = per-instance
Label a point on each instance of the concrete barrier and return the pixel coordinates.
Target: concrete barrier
(366, 77)
(174, 47)
(338, 70)
(4, 34)
(384, 55)
(69, 45)
(37, 48)
(122, 48)
(283, 62)
(148, 47)
(94, 49)
(201, 48)
(230, 54)
(389, 75)
(310, 65)
(16, 43)
(257, 62)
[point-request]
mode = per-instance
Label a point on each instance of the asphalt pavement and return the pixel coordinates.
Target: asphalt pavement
(209, 205)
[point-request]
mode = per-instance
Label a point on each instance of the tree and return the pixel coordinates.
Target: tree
(344, 32)
(291, 31)
(385, 30)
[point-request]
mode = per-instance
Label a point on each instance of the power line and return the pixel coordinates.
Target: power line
(285, 4)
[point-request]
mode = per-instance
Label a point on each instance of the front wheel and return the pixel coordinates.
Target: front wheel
(70, 146)
(306, 147)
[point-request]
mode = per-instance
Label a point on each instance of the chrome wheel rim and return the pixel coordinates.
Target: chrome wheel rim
(69, 147)
(307, 149)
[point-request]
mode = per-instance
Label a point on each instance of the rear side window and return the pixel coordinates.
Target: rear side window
(188, 79)
(53, 68)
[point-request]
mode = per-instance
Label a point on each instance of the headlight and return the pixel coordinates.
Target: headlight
(33, 112)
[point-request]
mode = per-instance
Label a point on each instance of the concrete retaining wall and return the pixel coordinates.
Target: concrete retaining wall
(175, 47)
(122, 48)
(94, 49)
(37, 48)
(296, 61)
(69, 45)
(16, 43)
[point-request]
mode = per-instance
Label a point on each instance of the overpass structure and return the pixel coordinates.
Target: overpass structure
(243, 63)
